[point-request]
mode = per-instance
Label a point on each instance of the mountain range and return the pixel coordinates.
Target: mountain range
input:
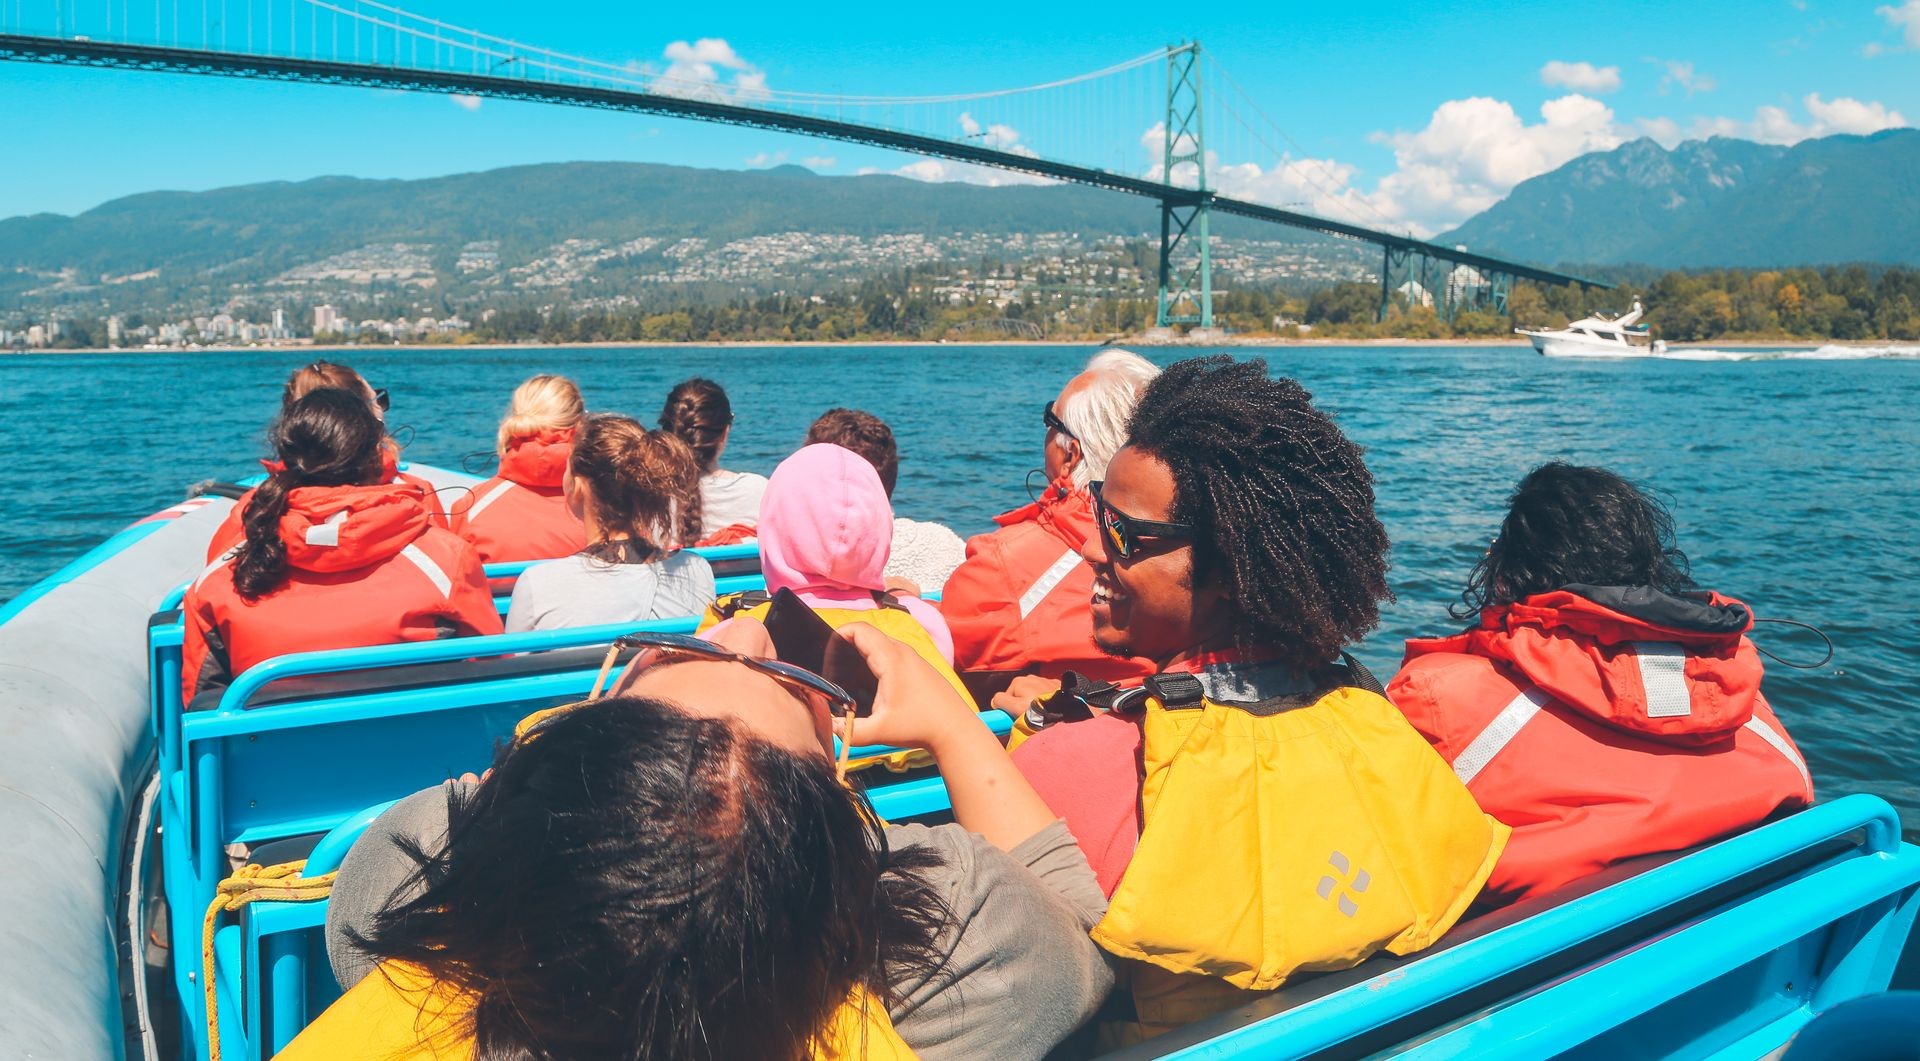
(577, 229)
(1717, 202)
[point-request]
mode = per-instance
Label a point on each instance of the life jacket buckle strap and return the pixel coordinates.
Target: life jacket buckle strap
(1176, 691)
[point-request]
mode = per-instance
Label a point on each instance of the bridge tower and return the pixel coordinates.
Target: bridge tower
(1186, 256)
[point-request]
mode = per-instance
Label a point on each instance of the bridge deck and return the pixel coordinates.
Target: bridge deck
(85, 52)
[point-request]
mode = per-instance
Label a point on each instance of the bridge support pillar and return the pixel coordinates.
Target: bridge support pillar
(1186, 252)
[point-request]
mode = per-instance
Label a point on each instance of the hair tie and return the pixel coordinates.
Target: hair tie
(274, 467)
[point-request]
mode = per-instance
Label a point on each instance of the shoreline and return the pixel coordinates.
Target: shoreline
(1229, 342)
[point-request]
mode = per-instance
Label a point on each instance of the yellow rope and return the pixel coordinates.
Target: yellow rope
(251, 884)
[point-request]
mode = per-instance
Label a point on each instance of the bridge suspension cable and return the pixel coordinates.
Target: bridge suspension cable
(1148, 126)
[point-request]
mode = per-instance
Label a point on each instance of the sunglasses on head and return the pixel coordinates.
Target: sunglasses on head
(1054, 422)
(1125, 534)
(657, 649)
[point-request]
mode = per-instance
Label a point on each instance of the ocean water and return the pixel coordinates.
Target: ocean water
(1794, 480)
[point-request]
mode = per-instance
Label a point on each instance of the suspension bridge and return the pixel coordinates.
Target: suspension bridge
(1086, 129)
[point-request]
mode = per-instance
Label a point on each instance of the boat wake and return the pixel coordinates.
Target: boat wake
(1823, 353)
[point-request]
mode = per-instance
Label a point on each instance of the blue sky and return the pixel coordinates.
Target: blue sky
(1402, 115)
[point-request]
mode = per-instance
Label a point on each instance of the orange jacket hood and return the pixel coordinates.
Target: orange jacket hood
(1677, 668)
(538, 460)
(340, 528)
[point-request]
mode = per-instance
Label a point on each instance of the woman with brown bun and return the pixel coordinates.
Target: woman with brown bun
(697, 411)
(303, 382)
(521, 513)
(637, 493)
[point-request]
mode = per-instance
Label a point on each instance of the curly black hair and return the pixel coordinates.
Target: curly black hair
(1280, 500)
(1568, 524)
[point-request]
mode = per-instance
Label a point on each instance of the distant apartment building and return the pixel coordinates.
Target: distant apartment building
(327, 319)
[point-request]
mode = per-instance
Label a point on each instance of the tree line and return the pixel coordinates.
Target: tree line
(1812, 304)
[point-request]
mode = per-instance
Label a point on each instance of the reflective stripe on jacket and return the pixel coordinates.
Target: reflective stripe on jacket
(1020, 603)
(397, 1013)
(1604, 723)
(364, 567)
(506, 521)
(521, 513)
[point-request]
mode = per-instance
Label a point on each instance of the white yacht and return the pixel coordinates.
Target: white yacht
(1599, 336)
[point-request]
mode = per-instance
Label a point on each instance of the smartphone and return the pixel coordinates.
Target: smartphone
(802, 638)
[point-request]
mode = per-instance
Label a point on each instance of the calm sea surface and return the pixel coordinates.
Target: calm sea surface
(1795, 483)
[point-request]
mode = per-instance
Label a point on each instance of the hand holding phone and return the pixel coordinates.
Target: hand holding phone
(802, 638)
(915, 706)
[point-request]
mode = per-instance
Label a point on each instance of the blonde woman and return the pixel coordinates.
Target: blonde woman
(521, 513)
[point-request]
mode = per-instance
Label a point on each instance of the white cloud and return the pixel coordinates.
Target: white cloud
(765, 159)
(1905, 17)
(708, 68)
(1473, 151)
(1683, 74)
(1774, 125)
(818, 161)
(995, 135)
(1582, 76)
(466, 102)
(942, 170)
(1848, 115)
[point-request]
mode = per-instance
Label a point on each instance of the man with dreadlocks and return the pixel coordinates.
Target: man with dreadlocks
(1257, 809)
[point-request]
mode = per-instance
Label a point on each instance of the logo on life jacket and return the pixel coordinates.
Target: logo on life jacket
(1349, 884)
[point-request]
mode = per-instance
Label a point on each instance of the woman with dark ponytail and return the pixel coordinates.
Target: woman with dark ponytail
(637, 492)
(323, 375)
(697, 411)
(334, 555)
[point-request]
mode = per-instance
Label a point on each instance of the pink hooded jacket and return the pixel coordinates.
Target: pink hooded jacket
(826, 528)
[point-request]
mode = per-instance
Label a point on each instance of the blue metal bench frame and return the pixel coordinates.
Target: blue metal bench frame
(1832, 931)
(512, 570)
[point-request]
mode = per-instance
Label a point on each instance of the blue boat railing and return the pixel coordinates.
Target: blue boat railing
(512, 569)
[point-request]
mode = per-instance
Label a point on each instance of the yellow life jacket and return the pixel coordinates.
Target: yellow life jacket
(397, 1013)
(1296, 835)
(890, 619)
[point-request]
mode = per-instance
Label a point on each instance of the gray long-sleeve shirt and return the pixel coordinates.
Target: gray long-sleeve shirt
(1021, 972)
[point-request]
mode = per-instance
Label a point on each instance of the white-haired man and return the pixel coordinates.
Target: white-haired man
(1020, 603)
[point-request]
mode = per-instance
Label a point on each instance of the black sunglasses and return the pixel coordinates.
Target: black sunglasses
(1053, 422)
(1125, 533)
(382, 399)
(659, 648)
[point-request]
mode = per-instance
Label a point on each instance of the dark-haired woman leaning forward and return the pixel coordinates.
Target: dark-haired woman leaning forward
(334, 556)
(1600, 704)
(675, 872)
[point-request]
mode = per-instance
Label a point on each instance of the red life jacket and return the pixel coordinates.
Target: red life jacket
(232, 530)
(521, 513)
(1020, 602)
(364, 567)
(1603, 723)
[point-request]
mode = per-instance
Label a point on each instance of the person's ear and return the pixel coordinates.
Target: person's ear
(1074, 455)
(576, 493)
